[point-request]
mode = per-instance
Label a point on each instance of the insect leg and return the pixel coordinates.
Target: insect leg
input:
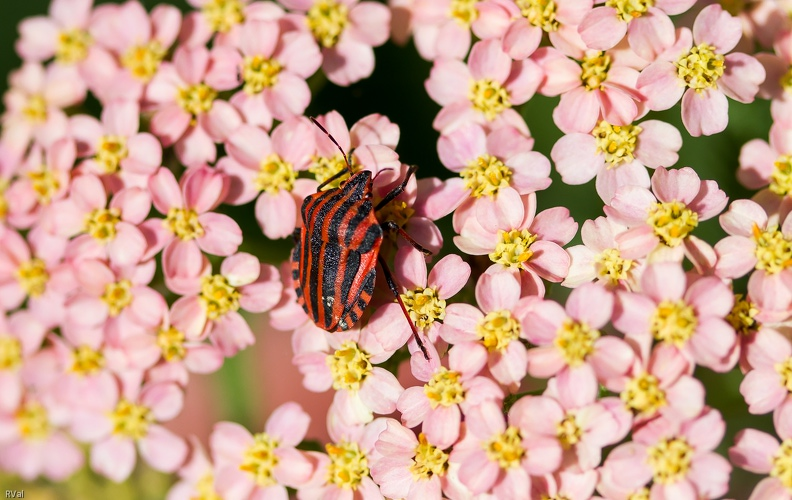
(395, 290)
(389, 225)
(346, 160)
(393, 193)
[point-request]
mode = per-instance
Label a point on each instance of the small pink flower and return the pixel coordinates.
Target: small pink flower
(101, 232)
(272, 66)
(616, 155)
(188, 113)
(131, 44)
(34, 104)
(763, 164)
(497, 326)
(133, 420)
(34, 270)
(776, 66)
(32, 443)
(597, 88)
(665, 223)
(517, 238)
(220, 21)
(196, 476)
(705, 73)
(63, 34)
(489, 163)
(402, 453)
(761, 453)
(21, 336)
(765, 387)
(43, 178)
(266, 170)
(648, 28)
(424, 297)
(343, 472)
(346, 363)
(448, 393)
(265, 463)
(679, 457)
(570, 345)
(566, 484)
(346, 31)
(685, 315)
(441, 29)
(499, 454)
(484, 90)
(190, 226)
(119, 153)
(600, 257)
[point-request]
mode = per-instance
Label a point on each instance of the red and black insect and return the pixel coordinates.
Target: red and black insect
(337, 250)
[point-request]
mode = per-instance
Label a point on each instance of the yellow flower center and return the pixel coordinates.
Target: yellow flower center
(10, 353)
(222, 15)
(773, 250)
(218, 296)
(540, 13)
(206, 489)
(45, 184)
(101, 223)
(595, 69)
(275, 175)
(733, 7)
(781, 177)
(513, 248)
(489, 97)
(131, 420)
(260, 459)
(569, 431)
(641, 494)
(3, 201)
(398, 212)
(486, 175)
(575, 341)
(72, 46)
(429, 460)
(117, 296)
(464, 12)
(86, 361)
(785, 370)
(183, 222)
(348, 465)
(349, 366)
(701, 67)
(325, 167)
(110, 151)
(171, 343)
(672, 221)
(643, 394)
(617, 143)
(327, 20)
(196, 99)
(445, 388)
(628, 10)
(32, 277)
(143, 60)
(743, 316)
(33, 421)
(673, 322)
(786, 80)
(670, 460)
(497, 330)
(611, 266)
(506, 449)
(424, 306)
(259, 73)
(782, 464)
(35, 109)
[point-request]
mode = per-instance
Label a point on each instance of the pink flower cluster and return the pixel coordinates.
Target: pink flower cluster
(121, 272)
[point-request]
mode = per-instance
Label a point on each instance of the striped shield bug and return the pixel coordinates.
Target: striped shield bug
(336, 252)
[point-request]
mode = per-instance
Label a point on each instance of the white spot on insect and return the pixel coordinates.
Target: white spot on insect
(329, 300)
(343, 325)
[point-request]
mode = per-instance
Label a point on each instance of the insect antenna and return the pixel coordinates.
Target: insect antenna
(346, 160)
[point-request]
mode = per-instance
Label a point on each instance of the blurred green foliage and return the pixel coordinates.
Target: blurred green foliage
(396, 89)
